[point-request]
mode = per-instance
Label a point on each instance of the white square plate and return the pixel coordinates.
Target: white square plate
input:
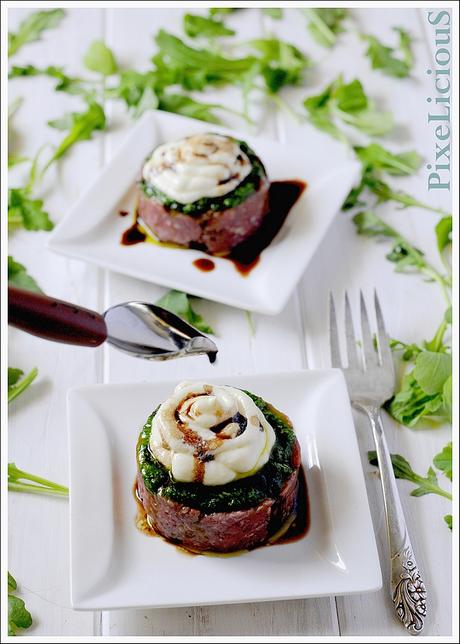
(114, 565)
(92, 229)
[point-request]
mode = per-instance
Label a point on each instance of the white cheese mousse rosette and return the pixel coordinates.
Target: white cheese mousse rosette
(210, 434)
(203, 165)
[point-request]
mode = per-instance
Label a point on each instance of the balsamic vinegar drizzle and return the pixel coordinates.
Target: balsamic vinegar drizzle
(204, 264)
(282, 196)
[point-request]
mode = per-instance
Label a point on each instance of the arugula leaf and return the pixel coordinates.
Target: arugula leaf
(83, 124)
(426, 391)
(367, 223)
(448, 520)
(69, 84)
(142, 91)
(350, 97)
(405, 43)
(325, 24)
(148, 101)
(411, 404)
(15, 385)
(19, 277)
(179, 303)
(196, 67)
(62, 123)
(180, 104)
(14, 375)
(444, 233)
(349, 103)
(26, 212)
(437, 343)
(403, 254)
(32, 27)
(443, 461)
(432, 370)
(133, 85)
(447, 397)
(377, 157)
(385, 193)
(383, 57)
(17, 482)
(273, 12)
(426, 484)
(280, 63)
(13, 107)
(18, 615)
(409, 350)
(221, 11)
(12, 585)
(196, 26)
(99, 58)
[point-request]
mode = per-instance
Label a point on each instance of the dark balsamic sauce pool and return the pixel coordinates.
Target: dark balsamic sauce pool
(293, 530)
(204, 264)
(282, 196)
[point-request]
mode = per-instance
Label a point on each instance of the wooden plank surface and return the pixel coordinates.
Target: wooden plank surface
(38, 528)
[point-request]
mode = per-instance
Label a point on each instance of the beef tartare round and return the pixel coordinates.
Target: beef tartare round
(206, 191)
(217, 469)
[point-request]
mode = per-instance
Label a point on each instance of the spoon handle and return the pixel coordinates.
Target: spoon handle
(55, 320)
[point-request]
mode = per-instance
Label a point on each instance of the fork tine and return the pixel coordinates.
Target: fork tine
(370, 354)
(386, 358)
(333, 334)
(352, 352)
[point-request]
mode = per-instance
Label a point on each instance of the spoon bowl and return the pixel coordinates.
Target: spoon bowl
(151, 332)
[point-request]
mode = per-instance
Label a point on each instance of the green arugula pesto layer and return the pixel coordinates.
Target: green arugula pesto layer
(245, 189)
(237, 495)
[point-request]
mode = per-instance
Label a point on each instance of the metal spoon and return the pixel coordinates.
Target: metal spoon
(137, 328)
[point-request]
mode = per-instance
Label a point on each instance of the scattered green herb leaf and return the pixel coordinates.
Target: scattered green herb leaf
(425, 484)
(13, 159)
(403, 254)
(65, 83)
(19, 277)
(32, 27)
(194, 68)
(199, 26)
(99, 58)
(325, 24)
(221, 11)
(12, 585)
(377, 157)
(18, 482)
(82, 126)
(375, 160)
(448, 520)
(346, 102)
(26, 212)
(432, 370)
(280, 62)
(443, 461)
(273, 12)
(18, 615)
(426, 391)
(15, 385)
(385, 58)
(179, 303)
(444, 233)
(181, 104)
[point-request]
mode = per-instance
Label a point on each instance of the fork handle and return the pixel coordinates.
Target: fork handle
(408, 590)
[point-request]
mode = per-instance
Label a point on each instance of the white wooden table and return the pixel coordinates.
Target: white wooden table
(38, 527)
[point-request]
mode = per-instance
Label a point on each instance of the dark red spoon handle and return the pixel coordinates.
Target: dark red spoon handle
(53, 319)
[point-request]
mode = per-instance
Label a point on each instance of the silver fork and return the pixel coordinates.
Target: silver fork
(370, 382)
